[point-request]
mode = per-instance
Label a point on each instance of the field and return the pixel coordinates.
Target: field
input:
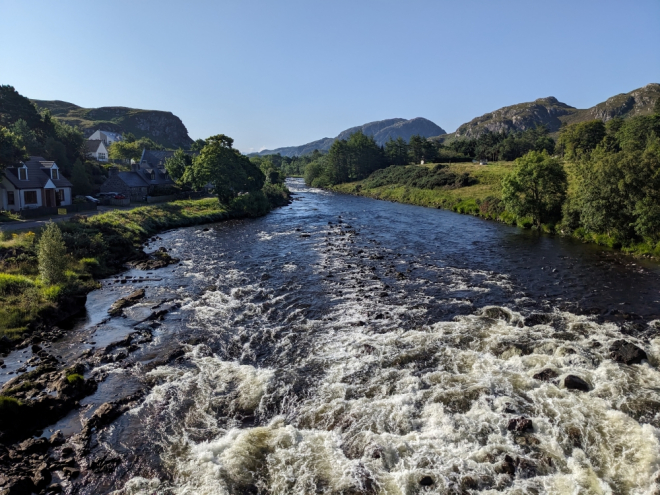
(470, 199)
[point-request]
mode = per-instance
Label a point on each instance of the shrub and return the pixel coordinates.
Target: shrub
(14, 284)
(254, 204)
(52, 254)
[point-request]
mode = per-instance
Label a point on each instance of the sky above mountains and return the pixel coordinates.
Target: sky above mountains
(281, 73)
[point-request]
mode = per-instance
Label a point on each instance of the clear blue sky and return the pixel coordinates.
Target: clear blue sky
(281, 73)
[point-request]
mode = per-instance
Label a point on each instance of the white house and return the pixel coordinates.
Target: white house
(32, 184)
(96, 148)
(106, 136)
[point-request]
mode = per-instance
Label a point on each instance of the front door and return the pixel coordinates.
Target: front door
(50, 197)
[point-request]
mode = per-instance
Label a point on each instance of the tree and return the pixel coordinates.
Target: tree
(197, 145)
(80, 180)
(536, 187)
(225, 168)
(51, 254)
(577, 140)
(177, 164)
(27, 137)
(11, 151)
(396, 151)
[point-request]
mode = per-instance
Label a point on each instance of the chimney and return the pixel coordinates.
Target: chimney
(134, 166)
(112, 171)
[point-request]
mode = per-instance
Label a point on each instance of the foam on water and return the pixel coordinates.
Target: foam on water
(435, 401)
(347, 403)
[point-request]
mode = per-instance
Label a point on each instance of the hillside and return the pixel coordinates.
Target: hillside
(381, 131)
(164, 128)
(553, 113)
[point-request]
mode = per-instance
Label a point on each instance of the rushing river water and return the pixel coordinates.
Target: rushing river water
(344, 345)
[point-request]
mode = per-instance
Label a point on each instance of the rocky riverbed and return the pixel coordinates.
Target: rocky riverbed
(344, 345)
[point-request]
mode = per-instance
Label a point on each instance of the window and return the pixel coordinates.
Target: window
(60, 194)
(30, 197)
(54, 174)
(153, 175)
(22, 173)
(10, 197)
(101, 156)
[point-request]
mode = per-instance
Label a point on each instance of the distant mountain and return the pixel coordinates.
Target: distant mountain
(553, 113)
(381, 131)
(165, 128)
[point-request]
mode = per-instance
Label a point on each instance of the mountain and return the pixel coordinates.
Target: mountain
(165, 128)
(553, 113)
(381, 131)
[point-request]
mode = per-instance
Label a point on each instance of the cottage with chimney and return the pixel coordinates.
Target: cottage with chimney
(34, 183)
(143, 178)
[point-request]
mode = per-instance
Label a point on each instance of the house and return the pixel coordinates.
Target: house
(34, 183)
(106, 136)
(96, 148)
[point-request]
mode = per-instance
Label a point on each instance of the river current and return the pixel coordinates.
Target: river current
(344, 345)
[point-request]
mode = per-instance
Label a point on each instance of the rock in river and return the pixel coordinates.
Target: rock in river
(573, 382)
(623, 351)
(125, 302)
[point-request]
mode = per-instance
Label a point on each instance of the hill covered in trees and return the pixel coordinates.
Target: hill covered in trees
(381, 131)
(164, 128)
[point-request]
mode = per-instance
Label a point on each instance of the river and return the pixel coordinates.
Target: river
(344, 345)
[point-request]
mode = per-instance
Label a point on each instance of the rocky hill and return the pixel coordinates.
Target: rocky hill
(553, 113)
(381, 131)
(165, 128)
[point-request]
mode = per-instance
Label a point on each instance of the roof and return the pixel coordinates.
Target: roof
(38, 174)
(93, 145)
(132, 179)
(114, 136)
(153, 158)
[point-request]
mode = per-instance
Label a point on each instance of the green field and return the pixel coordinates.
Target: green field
(463, 200)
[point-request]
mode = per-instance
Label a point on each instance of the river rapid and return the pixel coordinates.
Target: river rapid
(344, 345)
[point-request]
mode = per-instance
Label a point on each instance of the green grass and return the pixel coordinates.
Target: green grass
(96, 246)
(8, 216)
(484, 200)
(463, 200)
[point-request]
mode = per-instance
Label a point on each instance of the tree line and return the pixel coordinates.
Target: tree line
(603, 183)
(238, 181)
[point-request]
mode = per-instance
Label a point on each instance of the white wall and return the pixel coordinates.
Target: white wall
(8, 186)
(67, 196)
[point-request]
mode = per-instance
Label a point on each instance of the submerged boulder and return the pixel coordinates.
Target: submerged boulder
(623, 351)
(573, 382)
(546, 375)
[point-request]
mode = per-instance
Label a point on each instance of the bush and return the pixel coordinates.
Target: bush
(253, 204)
(52, 254)
(14, 284)
(419, 177)
(277, 194)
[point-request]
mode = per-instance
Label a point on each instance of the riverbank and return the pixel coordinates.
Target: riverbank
(97, 246)
(483, 199)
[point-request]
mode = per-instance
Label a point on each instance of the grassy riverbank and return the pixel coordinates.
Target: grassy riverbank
(96, 246)
(483, 199)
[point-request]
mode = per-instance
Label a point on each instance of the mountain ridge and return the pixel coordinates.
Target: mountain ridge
(380, 130)
(553, 114)
(163, 127)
